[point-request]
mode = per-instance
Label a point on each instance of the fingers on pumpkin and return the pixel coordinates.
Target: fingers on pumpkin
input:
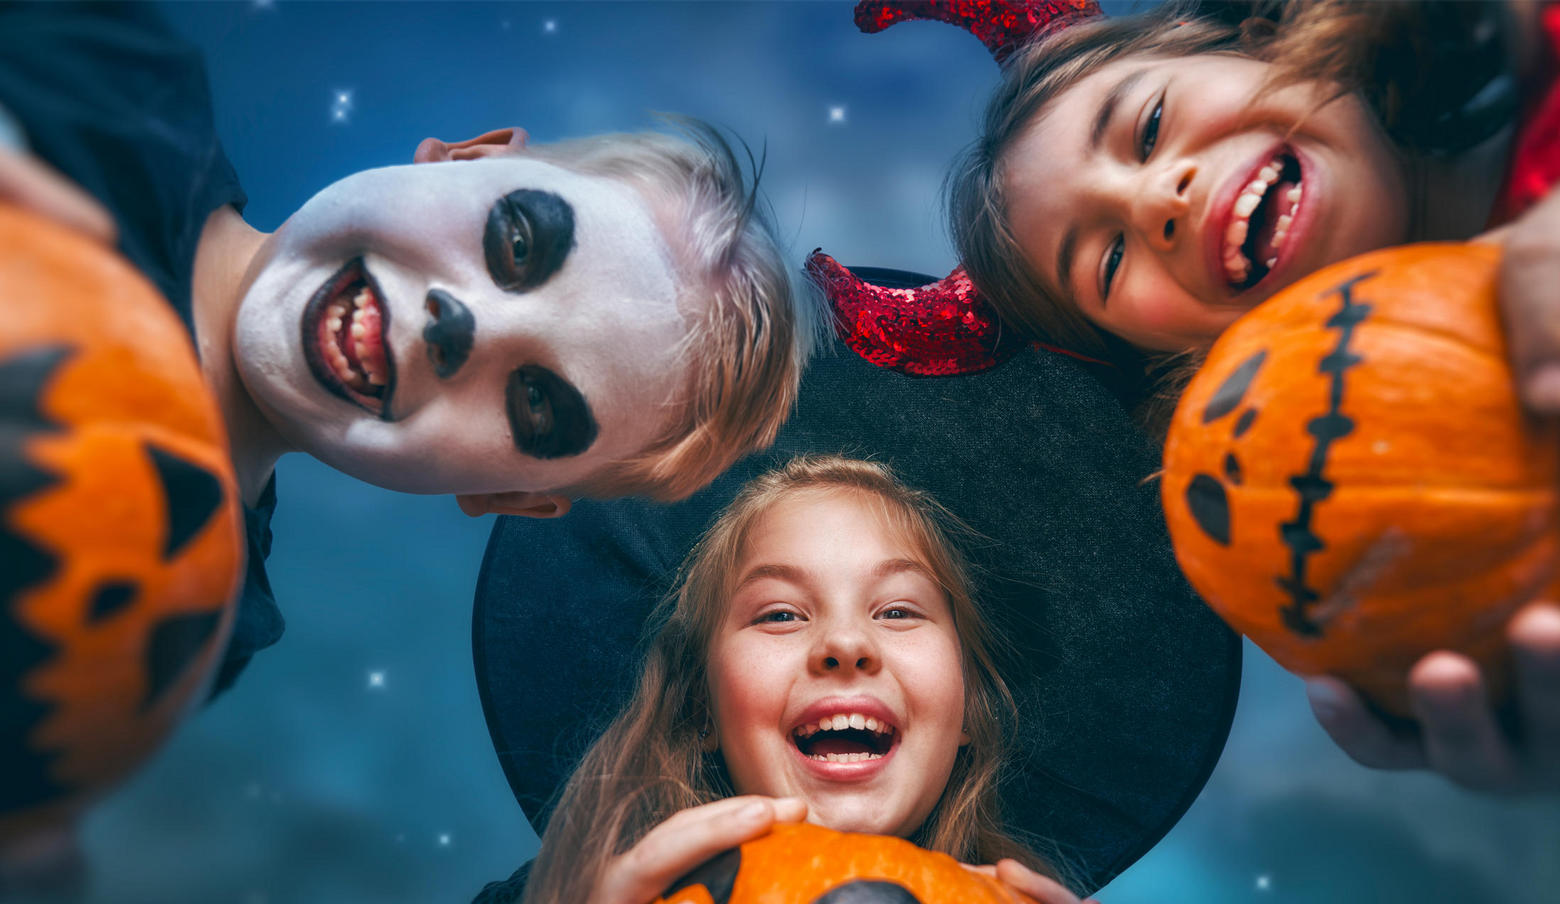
(1535, 643)
(1357, 731)
(1044, 890)
(33, 184)
(1461, 737)
(687, 839)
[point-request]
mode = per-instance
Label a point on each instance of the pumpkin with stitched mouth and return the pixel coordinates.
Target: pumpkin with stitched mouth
(808, 864)
(120, 527)
(1351, 481)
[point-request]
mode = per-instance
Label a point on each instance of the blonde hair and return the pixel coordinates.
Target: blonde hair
(650, 762)
(755, 323)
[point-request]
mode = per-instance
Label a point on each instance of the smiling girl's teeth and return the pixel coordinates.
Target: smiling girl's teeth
(845, 757)
(843, 721)
(1236, 265)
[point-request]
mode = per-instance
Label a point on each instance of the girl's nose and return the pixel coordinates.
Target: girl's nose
(846, 651)
(1162, 205)
(448, 333)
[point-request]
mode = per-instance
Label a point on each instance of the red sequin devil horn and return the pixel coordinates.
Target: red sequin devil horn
(944, 328)
(1002, 25)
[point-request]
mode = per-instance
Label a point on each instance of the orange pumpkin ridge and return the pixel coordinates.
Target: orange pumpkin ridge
(120, 524)
(808, 864)
(1351, 480)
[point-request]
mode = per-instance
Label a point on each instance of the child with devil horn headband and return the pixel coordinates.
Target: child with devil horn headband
(1087, 215)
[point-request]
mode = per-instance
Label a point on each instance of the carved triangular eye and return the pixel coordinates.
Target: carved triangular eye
(867, 891)
(1210, 507)
(191, 493)
(173, 643)
(109, 600)
(1233, 389)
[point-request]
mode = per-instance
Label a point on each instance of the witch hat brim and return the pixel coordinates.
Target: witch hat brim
(1126, 683)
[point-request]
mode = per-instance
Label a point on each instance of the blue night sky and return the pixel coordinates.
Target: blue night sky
(351, 762)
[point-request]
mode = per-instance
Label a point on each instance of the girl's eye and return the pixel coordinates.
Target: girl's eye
(778, 616)
(1151, 130)
(1111, 264)
(897, 613)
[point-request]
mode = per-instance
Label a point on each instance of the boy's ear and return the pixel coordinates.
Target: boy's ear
(526, 505)
(488, 144)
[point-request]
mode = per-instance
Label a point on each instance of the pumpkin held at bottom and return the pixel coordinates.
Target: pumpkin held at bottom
(808, 864)
(120, 531)
(1350, 480)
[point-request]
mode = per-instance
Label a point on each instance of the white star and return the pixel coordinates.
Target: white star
(836, 114)
(444, 839)
(1264, 882)
(550, 26)
(339, 114)
(376, 679)
(343, 97)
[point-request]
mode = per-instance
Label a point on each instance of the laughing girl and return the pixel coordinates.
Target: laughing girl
(821, 658)
(1141, 182)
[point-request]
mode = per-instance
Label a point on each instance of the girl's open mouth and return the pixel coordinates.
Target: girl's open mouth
(344, 327)
(845, 738)
(1260, 221)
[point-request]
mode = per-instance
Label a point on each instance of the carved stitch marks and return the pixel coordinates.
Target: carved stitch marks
(1312, 487)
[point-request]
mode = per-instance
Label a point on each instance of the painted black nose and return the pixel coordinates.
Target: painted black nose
(448, 333)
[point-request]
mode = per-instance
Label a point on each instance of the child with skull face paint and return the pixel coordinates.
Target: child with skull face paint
(512, 325)
(826, 588)
(1140, 182)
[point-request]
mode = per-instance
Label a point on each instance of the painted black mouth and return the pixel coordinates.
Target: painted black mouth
(340, 288)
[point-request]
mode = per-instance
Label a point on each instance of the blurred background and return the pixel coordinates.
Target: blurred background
(351, 762)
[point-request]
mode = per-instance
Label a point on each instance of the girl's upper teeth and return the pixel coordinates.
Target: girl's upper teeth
(842, 721)
(1236, 266)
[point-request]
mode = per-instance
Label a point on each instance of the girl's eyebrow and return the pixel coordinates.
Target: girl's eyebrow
(783, 572)
(1108, 106)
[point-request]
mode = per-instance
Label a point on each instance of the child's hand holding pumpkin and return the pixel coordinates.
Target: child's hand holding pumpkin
(687, 839)
(30, 183)
(1459, 735)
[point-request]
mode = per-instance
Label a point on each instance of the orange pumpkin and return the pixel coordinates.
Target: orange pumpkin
(1350, 480)
(807, 864)
(120, 529)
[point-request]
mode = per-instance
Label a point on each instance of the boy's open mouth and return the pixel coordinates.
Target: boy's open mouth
(344, 328)
(1260, 221)
(845, 738)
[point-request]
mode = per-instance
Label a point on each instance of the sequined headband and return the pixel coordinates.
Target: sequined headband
(943, 328)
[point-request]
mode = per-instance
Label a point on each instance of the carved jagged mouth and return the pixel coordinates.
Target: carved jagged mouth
(1260, 221)
(344, 329)
(845, 738)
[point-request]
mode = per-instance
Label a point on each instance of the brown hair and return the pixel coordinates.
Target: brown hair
(1371, 47)
(650, 762)
(754, 322)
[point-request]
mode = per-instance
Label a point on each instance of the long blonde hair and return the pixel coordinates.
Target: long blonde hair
(650, 762)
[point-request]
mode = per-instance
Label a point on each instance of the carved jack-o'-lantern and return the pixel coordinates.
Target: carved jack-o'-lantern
(121, 542)
(807, 864)
(1350, 480)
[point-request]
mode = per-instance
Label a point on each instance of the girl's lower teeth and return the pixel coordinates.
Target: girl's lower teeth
(844, 757)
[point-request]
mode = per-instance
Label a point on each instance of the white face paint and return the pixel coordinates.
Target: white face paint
(596, 311)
